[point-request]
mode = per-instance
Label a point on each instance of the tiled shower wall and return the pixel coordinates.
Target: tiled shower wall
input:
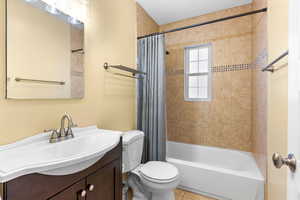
(260, 59)
(226, 120)
(145, 24)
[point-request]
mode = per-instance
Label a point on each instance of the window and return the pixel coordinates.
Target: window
(197, 70)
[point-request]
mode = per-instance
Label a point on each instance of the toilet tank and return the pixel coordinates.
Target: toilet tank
(132, 149)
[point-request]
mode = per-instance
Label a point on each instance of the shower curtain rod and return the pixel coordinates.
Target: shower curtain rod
(206, 23)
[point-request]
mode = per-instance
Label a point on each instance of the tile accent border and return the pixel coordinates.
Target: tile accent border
(214, 69)
(226, 68)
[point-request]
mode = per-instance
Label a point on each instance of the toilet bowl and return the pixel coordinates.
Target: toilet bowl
(154, 180)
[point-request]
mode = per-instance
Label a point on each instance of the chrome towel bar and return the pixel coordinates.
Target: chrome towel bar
(119, 74)
(269, 67)
(126, 69)
(40, 81)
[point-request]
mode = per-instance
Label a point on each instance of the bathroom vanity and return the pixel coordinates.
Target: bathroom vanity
(86, 167)
(103, 180)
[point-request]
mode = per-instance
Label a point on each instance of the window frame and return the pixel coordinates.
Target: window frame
(187, 74)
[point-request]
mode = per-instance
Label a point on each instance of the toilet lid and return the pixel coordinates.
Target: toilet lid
(160, 171)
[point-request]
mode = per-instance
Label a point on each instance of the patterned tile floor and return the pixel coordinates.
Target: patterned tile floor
(185, 195)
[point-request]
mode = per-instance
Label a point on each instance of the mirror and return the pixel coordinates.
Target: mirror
(44, 52)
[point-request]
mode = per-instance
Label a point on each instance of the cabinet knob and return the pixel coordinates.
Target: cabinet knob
(82, 193)
(91, 187)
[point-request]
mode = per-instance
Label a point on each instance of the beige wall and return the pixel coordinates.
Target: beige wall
(145, 24)
(109, 101)
(226, 120)
(260, 92)
(277, 96)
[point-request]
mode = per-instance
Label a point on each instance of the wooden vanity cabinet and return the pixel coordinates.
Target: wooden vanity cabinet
(101, 181)
(72, 193)
(104, 184)
(97, 186)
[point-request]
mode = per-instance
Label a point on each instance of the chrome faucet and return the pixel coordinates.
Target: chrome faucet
(64, 133)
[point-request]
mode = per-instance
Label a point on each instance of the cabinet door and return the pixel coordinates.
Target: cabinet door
(75, 192)
(106, 183)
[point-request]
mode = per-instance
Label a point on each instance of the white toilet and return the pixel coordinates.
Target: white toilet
(153, 180)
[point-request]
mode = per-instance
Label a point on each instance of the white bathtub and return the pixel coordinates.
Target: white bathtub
(215, 172)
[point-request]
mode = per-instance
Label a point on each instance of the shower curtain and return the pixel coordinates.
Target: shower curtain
(151, 117)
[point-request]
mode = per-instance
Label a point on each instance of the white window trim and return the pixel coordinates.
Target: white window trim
(187, 74)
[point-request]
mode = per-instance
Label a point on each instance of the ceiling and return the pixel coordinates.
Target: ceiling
(167, 11)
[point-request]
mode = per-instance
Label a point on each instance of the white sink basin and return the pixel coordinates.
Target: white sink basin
(37, 155)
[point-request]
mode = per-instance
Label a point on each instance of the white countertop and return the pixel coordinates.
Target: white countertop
(36, 155)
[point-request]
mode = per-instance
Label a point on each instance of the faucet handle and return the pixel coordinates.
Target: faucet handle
(54, 136)
(70, 133)
(48, 130)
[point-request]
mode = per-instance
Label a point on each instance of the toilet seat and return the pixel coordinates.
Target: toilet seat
(159, 172)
